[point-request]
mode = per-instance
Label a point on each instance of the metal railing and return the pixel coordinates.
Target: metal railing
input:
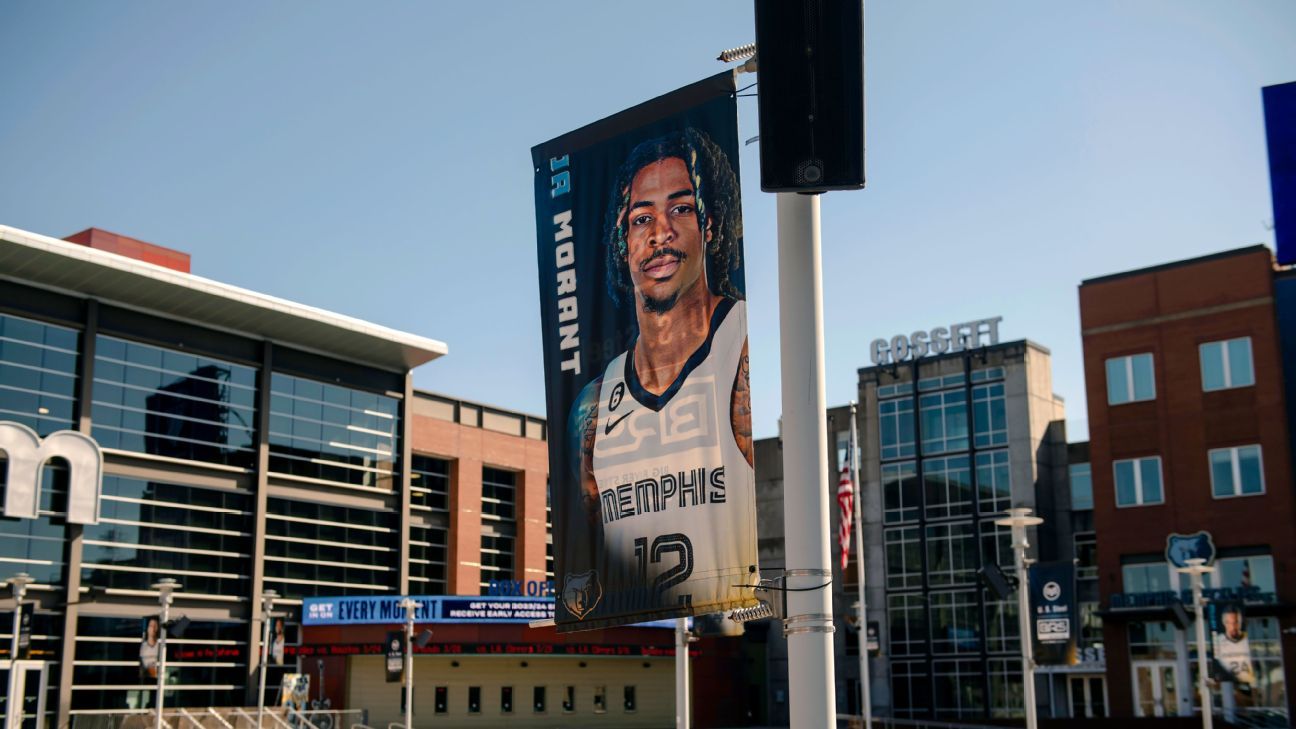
(230, 717)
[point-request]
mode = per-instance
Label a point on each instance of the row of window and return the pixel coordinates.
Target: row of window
(1224, 365)
(539, 700)
(1234, 471)
(943, 422)
(946, 490)
(951, 552)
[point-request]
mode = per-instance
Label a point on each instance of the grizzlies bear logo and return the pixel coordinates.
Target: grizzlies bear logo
(581, 593)
(1182, 547)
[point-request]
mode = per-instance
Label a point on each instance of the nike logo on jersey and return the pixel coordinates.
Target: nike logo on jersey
(608, 428)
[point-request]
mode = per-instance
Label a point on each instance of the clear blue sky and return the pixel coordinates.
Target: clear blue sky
(373, 158)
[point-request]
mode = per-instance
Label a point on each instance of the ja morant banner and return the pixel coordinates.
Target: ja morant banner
(645, 351)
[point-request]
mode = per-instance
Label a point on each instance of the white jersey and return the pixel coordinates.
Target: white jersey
(676, 493)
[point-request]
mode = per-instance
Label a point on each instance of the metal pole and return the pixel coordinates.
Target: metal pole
(267, 604)
(809, 625)
(683, 711)
(1197, 567)
(866, 695)
(410, 606)
(162, 652)
(1020, 518)
(19, 584)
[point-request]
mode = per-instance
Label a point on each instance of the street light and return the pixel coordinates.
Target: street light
(19, 583)
(410, 606)
(267, 604)
(1020, 518)
(1197, 567)
(165, 587)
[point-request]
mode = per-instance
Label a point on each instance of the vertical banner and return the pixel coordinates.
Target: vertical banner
(642, 302)
(1280, 131)
(1231, 645)
(27, 610)
(395, 655)
(1053, 613)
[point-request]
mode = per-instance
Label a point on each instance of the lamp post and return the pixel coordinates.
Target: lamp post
(410, 606)
(19, 583)
(165, 587)
(1020, 518)
(267, 604)
(1197, 567)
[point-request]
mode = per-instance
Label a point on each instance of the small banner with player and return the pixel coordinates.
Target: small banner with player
(1053, 613)
(395, 655)
(1231, 645)
(642, 302)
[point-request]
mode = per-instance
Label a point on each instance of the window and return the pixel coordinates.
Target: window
(1146, 577)
(958, 689)
(948, 483)
(1091, 625)
(907, 619)
(600, 699)
(629, 698)
(1138, 481)
(1148, 640)
(172, 403)
(994, 482)
(499, 525)
(910, 689)
(442, 700)
(538, 699)
(900, 496)
(429, 483)
(38, 374)
(428, 552)
(955, 622)
(1226, 364)
(951, 554)
(498, 489)
(1002, 624)
(989, 416)
(1130, 379)
(1086, 555)
(903, 558)
(496, 559)
(1236, 471)
(506, 699)
(474, 699)
(944, 422)
(1006, 691)
(333, 433)
(321, 549)
(1256, 571)
(896, 425)
(996, 544)
(569, 699)
(1081, 486)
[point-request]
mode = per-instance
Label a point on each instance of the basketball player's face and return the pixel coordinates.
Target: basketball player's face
(665, 248)
(1232, 625)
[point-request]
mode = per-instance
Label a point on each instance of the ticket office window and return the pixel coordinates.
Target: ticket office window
(442, 700)
(569, 700)
(474, 699)
(538, 699)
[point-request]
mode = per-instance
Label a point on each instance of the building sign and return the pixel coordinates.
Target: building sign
(1250, 595)
(940, 340)
(27, 455)
(1182, 547)
(644, 330)
(432, 609)
(495, 649)
(520, 588)
(1053, 613)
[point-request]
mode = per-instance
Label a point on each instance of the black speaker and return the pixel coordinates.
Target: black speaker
(996, 581)
(810, 73)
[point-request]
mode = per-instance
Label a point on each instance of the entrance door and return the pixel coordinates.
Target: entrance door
(1156, 691)
(1088, 697)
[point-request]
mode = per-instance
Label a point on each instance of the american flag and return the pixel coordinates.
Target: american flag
(845, 498)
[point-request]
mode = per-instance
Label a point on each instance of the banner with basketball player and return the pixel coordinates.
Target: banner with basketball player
(1231, 646)
(642, 301)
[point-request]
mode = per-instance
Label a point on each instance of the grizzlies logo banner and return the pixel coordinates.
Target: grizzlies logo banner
(643, 304)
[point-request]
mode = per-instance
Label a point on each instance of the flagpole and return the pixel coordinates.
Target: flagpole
(866, 695)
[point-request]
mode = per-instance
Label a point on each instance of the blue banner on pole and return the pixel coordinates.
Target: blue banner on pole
(1053, 613)
(1280, 130)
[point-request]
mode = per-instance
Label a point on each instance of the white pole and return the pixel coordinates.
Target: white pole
(162, 655)
(410, 606)
(1197, 567)
(683, 711)
(866, 694)
(19, 586)
(809, 625)
(1020, 518)
(267, 604)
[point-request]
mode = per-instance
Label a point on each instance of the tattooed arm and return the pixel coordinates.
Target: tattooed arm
(740, 408)
(581, 427)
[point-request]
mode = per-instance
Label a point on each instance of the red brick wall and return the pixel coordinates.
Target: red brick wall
(468, 449)
(1170, 313)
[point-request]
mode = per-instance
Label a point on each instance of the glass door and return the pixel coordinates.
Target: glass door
(1156, 688)
(1088, 697)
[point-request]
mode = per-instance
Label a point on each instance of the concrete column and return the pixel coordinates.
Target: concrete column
(256, 585)
(403, 485)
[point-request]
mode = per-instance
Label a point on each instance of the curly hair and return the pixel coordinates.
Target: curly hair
(714, 185)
